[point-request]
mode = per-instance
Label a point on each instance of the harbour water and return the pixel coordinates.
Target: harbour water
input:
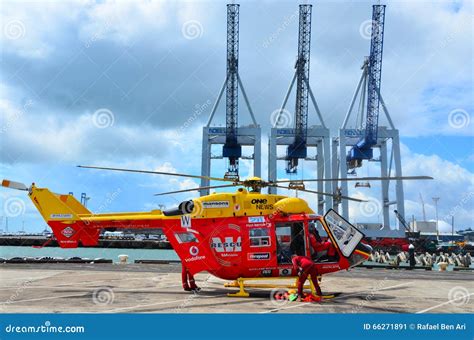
(9, 252)
(92, 253)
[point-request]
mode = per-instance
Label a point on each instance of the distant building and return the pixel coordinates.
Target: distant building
(468, 234)
(423, 226)
(443, 237)
(374, 230)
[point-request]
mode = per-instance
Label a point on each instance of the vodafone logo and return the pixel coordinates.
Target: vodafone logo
(194, 251)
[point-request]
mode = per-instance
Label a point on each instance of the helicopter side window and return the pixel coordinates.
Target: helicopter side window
(259, 237)
(185, 237)
(290, 241)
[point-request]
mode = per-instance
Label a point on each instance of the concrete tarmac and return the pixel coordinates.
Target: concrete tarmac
(149, 288)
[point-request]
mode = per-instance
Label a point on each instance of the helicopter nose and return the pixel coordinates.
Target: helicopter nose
(368, 248)
(364, 251)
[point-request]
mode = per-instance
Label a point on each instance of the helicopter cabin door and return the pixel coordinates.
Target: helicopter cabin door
(345, 234)
(290, 239)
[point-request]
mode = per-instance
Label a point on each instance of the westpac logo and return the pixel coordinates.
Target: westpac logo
(228, 245)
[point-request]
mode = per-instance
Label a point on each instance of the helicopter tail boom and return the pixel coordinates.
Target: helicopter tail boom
(73, 224)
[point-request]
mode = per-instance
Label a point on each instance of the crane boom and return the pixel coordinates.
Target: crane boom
(232, 150)
(402, 220)
(297, 150)
(375, 74)
(363, 149)
(423, 207)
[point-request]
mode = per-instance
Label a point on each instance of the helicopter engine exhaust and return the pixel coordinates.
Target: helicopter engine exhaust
(185, 207)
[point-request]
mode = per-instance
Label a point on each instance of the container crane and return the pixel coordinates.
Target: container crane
(232, 150)
(364, 148)
(233, 136)
(298, 150)
(367, 134)
(300, 137)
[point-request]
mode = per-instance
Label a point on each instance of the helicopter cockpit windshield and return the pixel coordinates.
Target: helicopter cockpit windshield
(346, 235)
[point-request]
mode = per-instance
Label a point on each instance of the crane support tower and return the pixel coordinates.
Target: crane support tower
(369, 135)
(233, 136)
(299, 137)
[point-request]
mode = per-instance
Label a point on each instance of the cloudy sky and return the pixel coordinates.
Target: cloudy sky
(131, 84)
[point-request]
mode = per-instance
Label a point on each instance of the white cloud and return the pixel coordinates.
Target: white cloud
(111, 20)
(79, 139)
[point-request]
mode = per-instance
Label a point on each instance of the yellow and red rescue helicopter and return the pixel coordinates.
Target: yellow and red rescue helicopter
(239, 236)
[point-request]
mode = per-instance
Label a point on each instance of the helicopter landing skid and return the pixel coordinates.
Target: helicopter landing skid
(240, 283)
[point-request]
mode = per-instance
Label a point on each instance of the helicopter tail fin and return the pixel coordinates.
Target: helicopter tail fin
(62, 213)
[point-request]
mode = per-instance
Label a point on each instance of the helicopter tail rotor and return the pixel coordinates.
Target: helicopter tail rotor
(14, 185)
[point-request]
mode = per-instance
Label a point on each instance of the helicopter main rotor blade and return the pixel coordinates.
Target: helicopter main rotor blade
(194, 189)
(357, 179)
(322, 193)
(156, 173)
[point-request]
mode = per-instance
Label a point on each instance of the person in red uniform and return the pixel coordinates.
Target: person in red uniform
(318, 245)
(305, 267)
(188, 280)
